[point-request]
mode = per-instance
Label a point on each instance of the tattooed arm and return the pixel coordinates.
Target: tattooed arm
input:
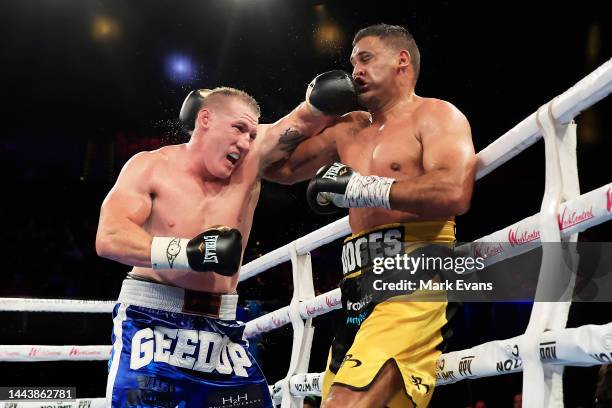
(279, 140)
(312, 154)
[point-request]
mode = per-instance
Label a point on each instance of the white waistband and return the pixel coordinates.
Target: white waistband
(173, 299)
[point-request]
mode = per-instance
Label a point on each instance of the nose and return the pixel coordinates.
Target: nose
(244, 142)
(357, 71)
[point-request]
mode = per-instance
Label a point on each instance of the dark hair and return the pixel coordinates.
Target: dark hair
(396, 37)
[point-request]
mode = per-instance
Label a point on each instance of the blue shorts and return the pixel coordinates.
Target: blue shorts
(168, 352)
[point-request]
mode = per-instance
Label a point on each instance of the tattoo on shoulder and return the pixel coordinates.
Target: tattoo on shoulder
(289, 140)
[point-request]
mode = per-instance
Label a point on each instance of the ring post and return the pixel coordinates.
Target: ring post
(303, 290)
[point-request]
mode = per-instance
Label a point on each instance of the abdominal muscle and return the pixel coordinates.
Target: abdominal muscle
(233, 208)
(201, 281)
(362, 219)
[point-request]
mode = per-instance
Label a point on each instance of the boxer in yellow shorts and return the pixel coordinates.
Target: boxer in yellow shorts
(401, 327)
(418, 165)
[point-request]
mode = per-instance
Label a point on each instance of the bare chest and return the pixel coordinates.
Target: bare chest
(184, 206)
(391, 150)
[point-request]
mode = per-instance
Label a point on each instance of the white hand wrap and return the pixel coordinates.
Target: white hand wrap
(365, 191)
(169, 253)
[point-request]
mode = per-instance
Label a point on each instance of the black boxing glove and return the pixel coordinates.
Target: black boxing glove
(337, 185)
(332, 93)
(217, 249)
(191, 106)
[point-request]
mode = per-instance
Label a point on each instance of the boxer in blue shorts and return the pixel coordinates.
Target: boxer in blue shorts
(183, 348)
(181, 216)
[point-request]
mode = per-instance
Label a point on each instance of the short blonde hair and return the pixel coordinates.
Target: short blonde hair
(211, 96)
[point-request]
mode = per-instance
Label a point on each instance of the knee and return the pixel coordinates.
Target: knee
(340, 397)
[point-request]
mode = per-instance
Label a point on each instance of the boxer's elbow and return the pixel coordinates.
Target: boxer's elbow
(459, 201)
(281, 174)
(105, 243)
(462, 207)
(102, 245)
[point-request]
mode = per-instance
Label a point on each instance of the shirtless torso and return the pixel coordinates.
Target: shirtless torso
(393, 149)
(183, 190)
(183, 206)
(420, 148)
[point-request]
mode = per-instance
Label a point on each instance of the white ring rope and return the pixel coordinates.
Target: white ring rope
(27, 353)
(586, 345)
(597, 205)
(56, 305)
(586, 92)
(582, 346)
(577, 215)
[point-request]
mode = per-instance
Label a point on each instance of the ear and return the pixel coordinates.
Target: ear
(404, 59)
(204, 117)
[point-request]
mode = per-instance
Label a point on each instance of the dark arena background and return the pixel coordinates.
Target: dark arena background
(86, 84)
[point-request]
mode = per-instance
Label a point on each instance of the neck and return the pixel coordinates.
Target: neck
(392, 107)
(195, 161)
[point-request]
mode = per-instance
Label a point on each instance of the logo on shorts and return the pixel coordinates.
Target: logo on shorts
(357, 306)
(235, 399)
(349, 357)
(197, 350)
(357, 320)
(360, 253)
(248, 396)
(173, 249)
(418, 382)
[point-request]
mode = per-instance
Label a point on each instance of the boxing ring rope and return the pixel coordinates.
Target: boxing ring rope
(56, 305)
(542, 387)
(588, 91)
(577, 346)
(590, 209)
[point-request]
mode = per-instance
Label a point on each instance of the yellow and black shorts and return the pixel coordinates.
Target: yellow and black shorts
(404, 327)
